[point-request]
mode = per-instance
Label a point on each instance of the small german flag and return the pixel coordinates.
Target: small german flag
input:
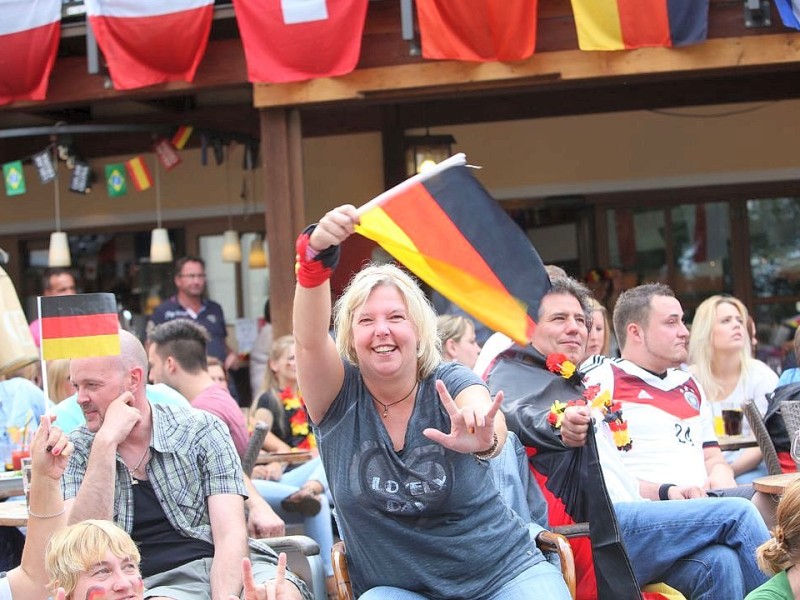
(79, 326)
(182, 136)
(140, 174)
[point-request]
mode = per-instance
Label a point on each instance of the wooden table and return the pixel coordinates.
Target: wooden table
(736, 442)
(11, 486)
(774, 484)
(287, 457)
(14, 514)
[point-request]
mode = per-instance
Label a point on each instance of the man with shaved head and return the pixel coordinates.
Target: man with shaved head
(169, 476)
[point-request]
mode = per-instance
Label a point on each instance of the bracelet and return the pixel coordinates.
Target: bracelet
(663, 491)
(56, 514)
(491, 451)
(311, 267)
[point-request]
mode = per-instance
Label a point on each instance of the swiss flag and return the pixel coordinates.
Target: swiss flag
(29, 35)
(486, 30)
(296, 40)
(146, 42)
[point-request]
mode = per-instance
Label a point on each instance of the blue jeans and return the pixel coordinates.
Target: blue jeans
(704, 548)
(319, 527)
(539, 582)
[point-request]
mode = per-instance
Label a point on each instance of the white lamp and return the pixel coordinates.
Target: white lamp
(231, 248)
(257, 259)
(58, 254)
(160, 248)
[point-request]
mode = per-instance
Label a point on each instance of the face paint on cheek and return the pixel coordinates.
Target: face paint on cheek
(96, 592)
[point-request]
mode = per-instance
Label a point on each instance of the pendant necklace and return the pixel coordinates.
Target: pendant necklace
(386, 406)
(135, 481)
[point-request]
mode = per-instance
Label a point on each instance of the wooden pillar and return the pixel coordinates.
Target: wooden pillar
(284, 206)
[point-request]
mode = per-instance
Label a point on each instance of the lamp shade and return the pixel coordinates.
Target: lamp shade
(58, 254)
(160, 248)
(231, 249)
(257, 259)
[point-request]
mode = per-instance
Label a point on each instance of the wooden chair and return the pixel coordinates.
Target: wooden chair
(762, 437)
(260, 432)
(547, 541)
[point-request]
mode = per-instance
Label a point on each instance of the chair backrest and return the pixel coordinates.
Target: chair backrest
(790, 413)
(762, 437)
(260, 432)
(304, 560)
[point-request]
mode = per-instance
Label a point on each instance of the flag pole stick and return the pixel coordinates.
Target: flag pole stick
(42, 362)
(457, 160)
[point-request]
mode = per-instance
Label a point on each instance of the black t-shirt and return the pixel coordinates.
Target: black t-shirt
(161, 546)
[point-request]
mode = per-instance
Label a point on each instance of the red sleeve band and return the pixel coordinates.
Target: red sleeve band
(314, 271)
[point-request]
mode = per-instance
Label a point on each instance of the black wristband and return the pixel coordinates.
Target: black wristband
(663, 491)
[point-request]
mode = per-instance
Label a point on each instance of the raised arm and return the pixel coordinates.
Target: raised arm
(319, 369)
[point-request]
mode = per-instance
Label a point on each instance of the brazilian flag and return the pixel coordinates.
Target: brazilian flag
(14, 178)
(116, 180)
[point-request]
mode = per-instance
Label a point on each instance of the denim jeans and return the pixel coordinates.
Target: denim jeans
(319, 527)
(542, 581)
(704, 547)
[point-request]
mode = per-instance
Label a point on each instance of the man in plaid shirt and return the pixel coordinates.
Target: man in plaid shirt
(169, 476)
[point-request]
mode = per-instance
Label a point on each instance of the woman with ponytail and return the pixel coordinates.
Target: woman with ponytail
(780, 556)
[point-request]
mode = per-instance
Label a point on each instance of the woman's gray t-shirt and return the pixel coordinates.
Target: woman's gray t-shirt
(425, 519)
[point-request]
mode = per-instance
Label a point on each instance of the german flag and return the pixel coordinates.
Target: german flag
(630, 24)
(140, 174)
(448, 230)
(182, 136)
(79, 326)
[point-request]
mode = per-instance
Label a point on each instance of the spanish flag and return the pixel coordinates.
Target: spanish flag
(446, 228)
(79, 326)
(630, 24)
(139, 173)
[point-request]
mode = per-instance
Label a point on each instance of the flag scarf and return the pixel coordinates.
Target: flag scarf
(453, 235)
(140, 174)
(14, 178)
(146, 42)
(790, 12)
(29, 34)
(296, 40)
(79, 326)
(629, 24)
(486, 31)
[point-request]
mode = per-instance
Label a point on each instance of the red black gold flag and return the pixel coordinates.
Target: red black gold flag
(446, 228)
(79, 326)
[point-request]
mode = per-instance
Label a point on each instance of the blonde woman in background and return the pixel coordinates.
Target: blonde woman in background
(457, 334)
(780, 556)
(59, 387)
(599, 340)
(720, 356)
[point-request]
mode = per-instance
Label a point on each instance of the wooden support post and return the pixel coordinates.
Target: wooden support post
(284, 207)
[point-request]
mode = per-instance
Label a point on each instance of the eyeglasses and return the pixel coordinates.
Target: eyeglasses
(193, 275)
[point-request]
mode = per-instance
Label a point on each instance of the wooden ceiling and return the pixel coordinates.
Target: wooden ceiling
(221, 98)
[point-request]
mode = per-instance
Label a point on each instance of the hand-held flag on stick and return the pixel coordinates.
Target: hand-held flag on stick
(445, 227)
(79, 326)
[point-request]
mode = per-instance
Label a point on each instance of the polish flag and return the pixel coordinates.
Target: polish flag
(146, 42)
(29, 35)
(296, 40)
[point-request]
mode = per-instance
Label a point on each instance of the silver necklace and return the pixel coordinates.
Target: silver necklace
(135, 481)
(386, 406)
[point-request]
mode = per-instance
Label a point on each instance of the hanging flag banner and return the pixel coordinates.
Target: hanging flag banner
(790, 12)
(146, 42)
(166, 154)
(81, 178)
(445, 228)
(29, 34)
(297, 40)
(630, 24)
(140, 174)
(116, 183)
(14, 177)
(488, 31)
(182, 136)
(79, 326)
(43, 161)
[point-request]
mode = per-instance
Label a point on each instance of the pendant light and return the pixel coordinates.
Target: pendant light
(257, 259)
(58, 254)
(231, 248)
(160, 246)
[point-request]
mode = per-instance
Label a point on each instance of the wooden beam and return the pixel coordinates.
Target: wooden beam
(432, 79)
(284, 209)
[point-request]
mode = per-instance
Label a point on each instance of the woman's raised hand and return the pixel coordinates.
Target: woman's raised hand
(471, 430)
(334, 228)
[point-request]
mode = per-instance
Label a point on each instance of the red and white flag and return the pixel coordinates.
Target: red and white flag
(296, 40)
(29, 35)
(146, 42)
(486, 31)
